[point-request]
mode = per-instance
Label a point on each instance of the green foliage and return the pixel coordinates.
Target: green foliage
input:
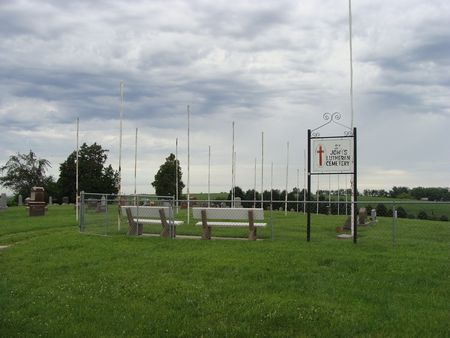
(94, 175)
(165, 178)
(432, 194)
(381, 210)
(24, 171)
(238, 192)
(400, 192)
(401, 212)
(422, 215)
(444, 218)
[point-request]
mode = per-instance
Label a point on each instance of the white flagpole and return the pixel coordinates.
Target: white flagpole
(135, 161)
(329, 194)
(176, 173)
(189, 165)
(209, 176)
(351, 101)
(254, 188)
(338, 196)
(298, 185)
(271, 182)
(120, 154)
(262, 170)
(233, 158)
(287, 174)
(317, 197)
(77, 167)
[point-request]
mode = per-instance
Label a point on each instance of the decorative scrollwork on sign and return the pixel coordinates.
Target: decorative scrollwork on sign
(331, 118)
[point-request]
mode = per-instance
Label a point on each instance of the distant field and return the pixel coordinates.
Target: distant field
(57, 282)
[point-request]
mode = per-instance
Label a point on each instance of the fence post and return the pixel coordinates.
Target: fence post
(394, 225)
(271, 222)
(81, 216)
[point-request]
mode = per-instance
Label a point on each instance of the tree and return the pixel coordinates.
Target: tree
(381, 210)
(24, 171)
(165, 179)
(94, 176)
(238, 192)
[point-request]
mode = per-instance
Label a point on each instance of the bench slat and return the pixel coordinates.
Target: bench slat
(228, 213)
(146, 211)
(231, 224)
(154, 221)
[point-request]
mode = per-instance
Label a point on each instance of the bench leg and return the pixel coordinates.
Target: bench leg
(251, 227)
(206, 234)
(252, 234)
(165, 232)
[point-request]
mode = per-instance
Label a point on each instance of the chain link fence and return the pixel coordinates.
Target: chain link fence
(394, 222)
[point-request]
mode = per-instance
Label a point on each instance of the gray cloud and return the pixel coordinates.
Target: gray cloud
(273, 66)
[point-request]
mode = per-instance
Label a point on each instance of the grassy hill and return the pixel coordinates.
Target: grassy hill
(55, 281)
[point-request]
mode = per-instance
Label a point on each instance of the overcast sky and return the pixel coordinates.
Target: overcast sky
(271, 66)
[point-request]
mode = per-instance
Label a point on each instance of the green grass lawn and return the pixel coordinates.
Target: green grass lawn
(56, 282)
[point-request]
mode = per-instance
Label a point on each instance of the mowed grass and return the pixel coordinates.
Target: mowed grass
(56, 282)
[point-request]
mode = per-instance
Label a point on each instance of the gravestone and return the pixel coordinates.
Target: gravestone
(362, 216)
(20, 201)
(373, 215)
(36, 204)
(347, 225)
(50, 200)
(237, 202)
(65, 200)
(3, 204)
(91, 203)
(101, 205)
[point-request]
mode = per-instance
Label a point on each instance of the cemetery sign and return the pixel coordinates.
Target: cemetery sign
(332, 155)
(328, 155)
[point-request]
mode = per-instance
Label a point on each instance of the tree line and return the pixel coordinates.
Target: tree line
(24, 171)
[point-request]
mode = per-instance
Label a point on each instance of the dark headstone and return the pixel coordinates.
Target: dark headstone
(36, 204)
(362, 216)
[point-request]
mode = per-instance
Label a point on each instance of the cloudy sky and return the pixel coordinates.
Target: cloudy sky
(271, 66)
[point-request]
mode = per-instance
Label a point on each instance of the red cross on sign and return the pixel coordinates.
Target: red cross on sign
(320, 151)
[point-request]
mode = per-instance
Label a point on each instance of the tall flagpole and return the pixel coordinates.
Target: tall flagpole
(189, 166)
(271, 183)
(254, 188)
(120, 154)
(209, 176)
(262, 170)
(287, 179)
(298, 185)
(135, 161)
(176, 173)
(233, 157)
(351, 103)
(76, 180)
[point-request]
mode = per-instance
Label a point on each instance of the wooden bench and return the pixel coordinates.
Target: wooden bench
(229, 217)
(138, 216)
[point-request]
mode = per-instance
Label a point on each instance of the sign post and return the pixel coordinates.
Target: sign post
(332, 155)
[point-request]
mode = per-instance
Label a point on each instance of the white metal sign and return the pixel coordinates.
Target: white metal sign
(332, 155)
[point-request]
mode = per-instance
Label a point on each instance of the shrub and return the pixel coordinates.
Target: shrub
(381, 210)
(401, 212)
(444, 218)
(422, 215)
